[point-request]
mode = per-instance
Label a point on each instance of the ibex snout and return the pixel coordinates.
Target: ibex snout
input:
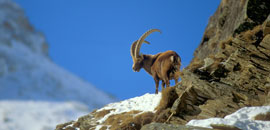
(135, 69)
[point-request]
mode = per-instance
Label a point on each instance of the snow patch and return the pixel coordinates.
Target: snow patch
(243, 119)
(145, 103)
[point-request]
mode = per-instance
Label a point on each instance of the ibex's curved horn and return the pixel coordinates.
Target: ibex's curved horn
(140, 41)
(133, 47)
(132, 50)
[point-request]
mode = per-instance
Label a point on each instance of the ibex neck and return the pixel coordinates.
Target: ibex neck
(148, 62)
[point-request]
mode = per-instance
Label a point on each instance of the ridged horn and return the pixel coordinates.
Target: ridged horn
(133, 47)
(140, 41)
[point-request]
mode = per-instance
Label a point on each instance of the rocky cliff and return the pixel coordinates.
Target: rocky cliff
(230, 70)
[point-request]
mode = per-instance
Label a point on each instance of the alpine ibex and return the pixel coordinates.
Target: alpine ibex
(163, 66)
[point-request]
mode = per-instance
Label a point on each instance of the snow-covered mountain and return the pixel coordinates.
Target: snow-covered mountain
(28, 74)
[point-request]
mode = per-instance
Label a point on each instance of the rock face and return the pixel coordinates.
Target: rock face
(236, 40)
(230, 19)
(27, 73)
(230, 68)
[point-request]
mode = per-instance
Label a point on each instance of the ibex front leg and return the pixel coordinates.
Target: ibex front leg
(167, 82)
(157, 84)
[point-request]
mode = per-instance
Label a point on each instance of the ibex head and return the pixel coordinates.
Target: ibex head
(135, 50)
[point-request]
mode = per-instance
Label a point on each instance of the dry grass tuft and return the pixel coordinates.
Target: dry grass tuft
(129, 120)
(250, 35)
(61, 126)
(145, 118)
(169, 95)
(263, 117)
(215, 65)
(213, 45)
(102, 113)
(195, 64)
(224, 127)
(226, 42)
(137, 122)
(104, 128)
(162, 116)
(117, 119)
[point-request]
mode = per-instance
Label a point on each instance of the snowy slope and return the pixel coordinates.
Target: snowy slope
(37, 115)
(29, 76)
(144, 103)
(243, 119)
(26, 72)
(35, 93)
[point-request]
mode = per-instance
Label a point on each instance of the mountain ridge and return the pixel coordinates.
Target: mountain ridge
(30, 83)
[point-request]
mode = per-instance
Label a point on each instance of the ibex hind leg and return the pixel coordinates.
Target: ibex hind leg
(177, 75)
(157, 84)
(167, 82)
(163, 84)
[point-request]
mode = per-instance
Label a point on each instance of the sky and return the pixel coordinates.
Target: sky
(92, 38)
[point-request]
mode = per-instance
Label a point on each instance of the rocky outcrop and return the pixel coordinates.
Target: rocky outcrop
(230, 68)
(230, 19)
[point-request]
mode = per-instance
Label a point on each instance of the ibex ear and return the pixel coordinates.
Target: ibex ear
(172, 58)
(141, 57)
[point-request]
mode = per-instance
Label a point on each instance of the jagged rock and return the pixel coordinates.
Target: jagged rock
(231, 17)
(266, 26)
(162, 126)
(233, 73)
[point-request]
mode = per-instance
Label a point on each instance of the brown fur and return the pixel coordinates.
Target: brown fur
(166, 68)
(162, 66)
